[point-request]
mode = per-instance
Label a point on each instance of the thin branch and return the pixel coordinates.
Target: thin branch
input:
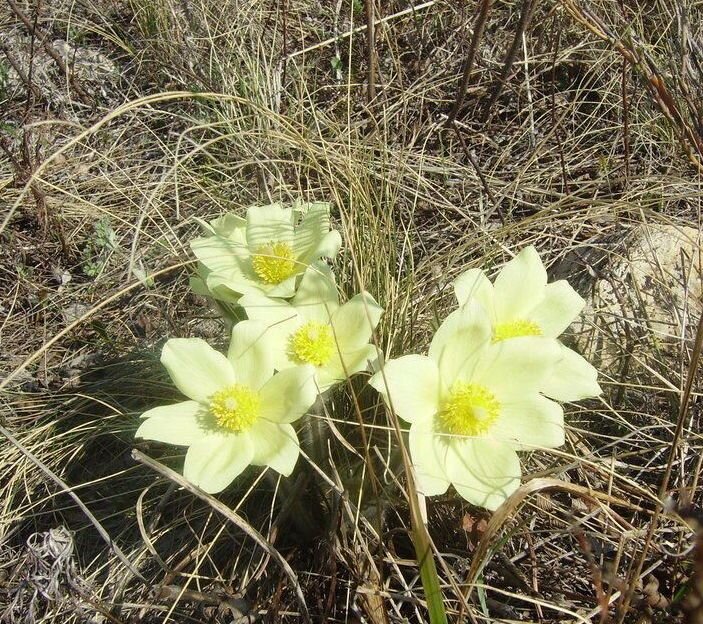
(479, 25)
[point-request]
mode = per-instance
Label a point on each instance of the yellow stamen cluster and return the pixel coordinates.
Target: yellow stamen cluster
(470, 410)
(312, 344)
(274, 262)
(515, 329)
(235, 408)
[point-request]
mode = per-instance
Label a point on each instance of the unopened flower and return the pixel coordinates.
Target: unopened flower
(520, 302)
(238, 413)
(267, 251)
(471, 403)
(314, 329)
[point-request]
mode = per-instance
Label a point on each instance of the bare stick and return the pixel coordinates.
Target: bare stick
(371, 47)
(479, 25)
(525, 15)
(51, 52)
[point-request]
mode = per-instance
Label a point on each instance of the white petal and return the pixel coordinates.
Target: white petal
(484, 472)
(354, 322)
(328, 247)
(459, 340)
(233, 281)
(196, 369)
(288, 394)
(428, 453)
(216, 460)
(559, 308)
(282, 321)
(266, 224)
(229, 225)
(530, 422)
(312, 228)
(573, 378)
(275, 446)
(180, 424)
(351, 362)
(519, 286)
(317, 296)
(412, 383)
(251, 353)
(517, 367)
(284, 289)
(473, 284)
(222, 255)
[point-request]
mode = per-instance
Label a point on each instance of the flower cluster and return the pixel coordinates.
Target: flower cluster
(297, 342)
(487, 388)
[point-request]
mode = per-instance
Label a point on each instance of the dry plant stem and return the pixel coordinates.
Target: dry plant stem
(84, 97)
(371, 48)
(20, 72)
(479, 25)
(510, 506)
(65, 487)
(691, 141)
(235, 518)
(525, 16)
(673, 449)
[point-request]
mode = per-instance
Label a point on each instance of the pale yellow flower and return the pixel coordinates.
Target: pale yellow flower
(472, 403)
(520, 302)
(266, 252)
(238, 413)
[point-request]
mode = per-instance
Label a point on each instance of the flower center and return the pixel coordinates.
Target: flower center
(235, 408)
(515, 329)
(470, 410)
(312, 344)
(274, 262)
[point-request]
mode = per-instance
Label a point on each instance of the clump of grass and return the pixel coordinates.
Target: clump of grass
(575, 154)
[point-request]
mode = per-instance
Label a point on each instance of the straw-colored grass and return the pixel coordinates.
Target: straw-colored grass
(218, 106)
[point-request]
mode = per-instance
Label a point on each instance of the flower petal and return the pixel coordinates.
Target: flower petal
(519, 286)
(517, 367)
(220, 254)
(313, 227)
(196, 369)
(214, 461)
(288, 394)
(428, 453)
(266, 224)
(573, 379)
(482, 471)
(234, 281)
(351, 362)
(530, 422)
(251, 353)
(354, 322)
(317, 296)
(559, 308)
(459, 341)
(328, 247)
(179, 424)
(473, 284)
(275, 445)
(412, 383)
(281, 319)
(229, 224)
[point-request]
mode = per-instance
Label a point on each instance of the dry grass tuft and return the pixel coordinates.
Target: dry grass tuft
(166, 110)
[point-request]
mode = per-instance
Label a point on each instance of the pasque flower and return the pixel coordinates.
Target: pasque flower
(266, 251)
(314, 329)
(238, 411)
(520, 302)
(471, 404)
